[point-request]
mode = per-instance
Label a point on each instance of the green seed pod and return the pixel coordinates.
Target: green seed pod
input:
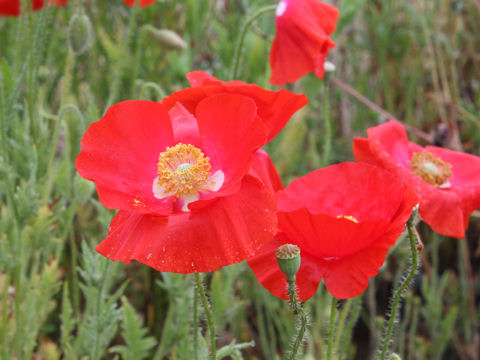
(168, 38)
(82, 188)
(395, 357)
(289, 260)
(80, 33)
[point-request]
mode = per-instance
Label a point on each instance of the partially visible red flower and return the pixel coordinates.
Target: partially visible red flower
(447, 182)
(189, 184)
(12, 7)
(344, 218)
(302, 40)
(275, 108)
(141, 3)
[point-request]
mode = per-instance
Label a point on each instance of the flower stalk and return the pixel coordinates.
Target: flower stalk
(412, 237)
(301, 317)
(333, 316)
(238, 49)
(208, 313)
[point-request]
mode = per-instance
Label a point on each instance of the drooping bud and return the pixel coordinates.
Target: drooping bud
(168, 38)
(395, 356)
(80, 33)
(329, 66)
(289, 260)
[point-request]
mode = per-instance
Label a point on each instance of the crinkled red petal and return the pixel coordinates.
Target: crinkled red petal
(275, 108)
(263, 169)
(227, 231)
(120, 154)
(345, 189)
(301, 42)
(231, 132)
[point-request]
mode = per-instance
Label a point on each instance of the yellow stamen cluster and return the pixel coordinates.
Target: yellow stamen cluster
(430, 168)
(182, 169)
(348, 217)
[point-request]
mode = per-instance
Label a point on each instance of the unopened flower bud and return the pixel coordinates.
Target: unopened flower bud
(289, 260)
(395, 356)
(329, 66)
(168, 38)
(79, 33)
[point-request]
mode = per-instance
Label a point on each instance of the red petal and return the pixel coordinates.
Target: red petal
(231, 132)
(393, 137)
(201, 78)
(185, 127)
(264, 170)
(329, 237)
(301, 43)
(363, 191)
(265, 267)
(226, 232)
(120, 153)
(275, 108)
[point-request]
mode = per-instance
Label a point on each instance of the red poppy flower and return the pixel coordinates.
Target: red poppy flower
(447, 182)
(12, 7)
(188, 183)
(344, 218)
(274, 107)
(141, 3)
(301, 43)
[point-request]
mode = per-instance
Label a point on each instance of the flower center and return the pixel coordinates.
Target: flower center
(431, 169)
(348, 217)
(182, 170)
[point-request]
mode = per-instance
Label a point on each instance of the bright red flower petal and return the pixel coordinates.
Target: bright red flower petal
(275, 108)
(301, 43)
(264, 170)
(141, 3)
(227, 231)
(339, 218)
(446, 209)
(231, 132)
(120, 153)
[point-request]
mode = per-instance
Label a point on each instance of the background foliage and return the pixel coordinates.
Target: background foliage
(419, 60)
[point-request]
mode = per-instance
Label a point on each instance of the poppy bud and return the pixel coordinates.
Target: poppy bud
(79, 33)
(168, 38)
(329, 66)
(395, 357)
(289, 260)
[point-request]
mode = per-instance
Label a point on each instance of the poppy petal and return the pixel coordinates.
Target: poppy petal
(120, 154)
(231, 132)
(264, 170)
(227, 231)
(301, 42)
(275, 108)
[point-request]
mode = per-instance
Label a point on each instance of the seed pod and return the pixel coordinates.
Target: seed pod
(288, 258)
(168, 38)
(80, 33)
